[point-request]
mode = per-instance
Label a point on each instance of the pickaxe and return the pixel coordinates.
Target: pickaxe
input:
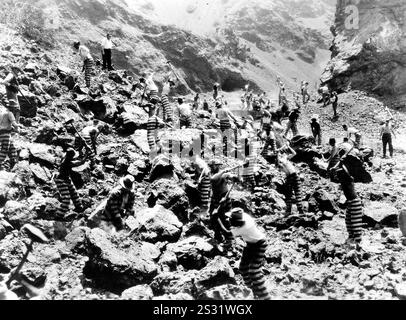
(70, 122)
(35, 235)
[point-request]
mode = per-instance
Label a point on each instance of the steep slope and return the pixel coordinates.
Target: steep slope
(372, 56)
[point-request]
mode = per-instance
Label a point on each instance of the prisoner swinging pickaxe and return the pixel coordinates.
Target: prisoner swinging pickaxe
(35, 235)
(70, 123)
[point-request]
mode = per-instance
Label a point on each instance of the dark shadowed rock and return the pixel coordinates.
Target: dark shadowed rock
(382, 214)
(81, 175)
(321, 200)
(193, 252)
(157, 225)
(29, 104)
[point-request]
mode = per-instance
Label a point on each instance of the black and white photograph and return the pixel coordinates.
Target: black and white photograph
(219, 151)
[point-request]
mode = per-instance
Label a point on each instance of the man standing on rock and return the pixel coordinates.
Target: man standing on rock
(253, 257)
(184, 114)
(386, 135)
(166, 106)
(63, 181)
(316, 129)
(292, 123)
(224, 115)
(120, 203)
(220, 201)
(7, 124)
(107, 45)
(12, 89)
(354, 215)
(88, 62)
(203, 175)
(334, 101)
(353, 132)
(293, 183)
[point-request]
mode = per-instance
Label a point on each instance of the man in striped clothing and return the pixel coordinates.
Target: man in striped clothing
(154, 123)
(88, 62)
(12, 89)
(185, 114)
(293, 183)
(166, 106)
(63, 181)
(224, 115)
(152, 89)
(7, 124)
(89, 135)
(120, 203)
(203, 175)
(253, 257)
(354, 214)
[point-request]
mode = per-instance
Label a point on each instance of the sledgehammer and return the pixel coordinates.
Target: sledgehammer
(35, 235)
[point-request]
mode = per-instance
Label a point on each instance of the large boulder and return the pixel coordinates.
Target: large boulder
(380, 214)
(157, 225)
(141, 292)
(217, 272)
(41, 154)
(193, 252)
(103, 109)
(117, 269)
(29, 104)
(321, 200)
(171, 196)
(12, 249)
(18, 213)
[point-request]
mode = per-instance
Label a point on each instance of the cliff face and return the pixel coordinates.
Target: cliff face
(371, 57)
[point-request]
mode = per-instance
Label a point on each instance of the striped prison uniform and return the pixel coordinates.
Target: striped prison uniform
(80, 146)
(152, 127)
(7, 149)
(67, 192)
(253, 258)
(15, 108)
(224, 126)
(353, 219)
(204, 191)
(248, 173)
(153, 96)
(118, 201)
(293, 186)
(185, 121)
(167, 109)
(88, 70)
(219, 234)
(266, 126)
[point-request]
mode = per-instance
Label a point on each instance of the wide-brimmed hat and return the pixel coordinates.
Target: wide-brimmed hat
(236, 215)
(127, 182)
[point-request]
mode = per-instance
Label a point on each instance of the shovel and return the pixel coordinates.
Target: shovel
(35, 235)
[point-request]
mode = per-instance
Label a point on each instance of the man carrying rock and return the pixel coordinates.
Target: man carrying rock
(293, 183)
(353, 132)
(107, 45)
(120, 203)
(253, 257)
(12, 89)
(63, 181)
(386, 136)
(88, 62)
(8, 124)
(184, 114)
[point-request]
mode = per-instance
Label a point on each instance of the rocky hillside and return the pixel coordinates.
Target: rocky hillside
(371, 57)
(231, 42)
(165, 254)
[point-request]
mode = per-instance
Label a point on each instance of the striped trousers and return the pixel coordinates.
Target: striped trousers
(88, 71)
(204, 192)
(67, 192)
(152, 132)
(15, 109)
(153, 97)
(293, 186)
(270, 145)
(7, 149)
(225, 127)
(353, 219)
(168, 112)
(219, 234)
(248, 173)
(185, 121)
(253, 258)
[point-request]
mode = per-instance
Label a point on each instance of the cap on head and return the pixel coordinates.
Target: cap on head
(236, 216)
(127, 182)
